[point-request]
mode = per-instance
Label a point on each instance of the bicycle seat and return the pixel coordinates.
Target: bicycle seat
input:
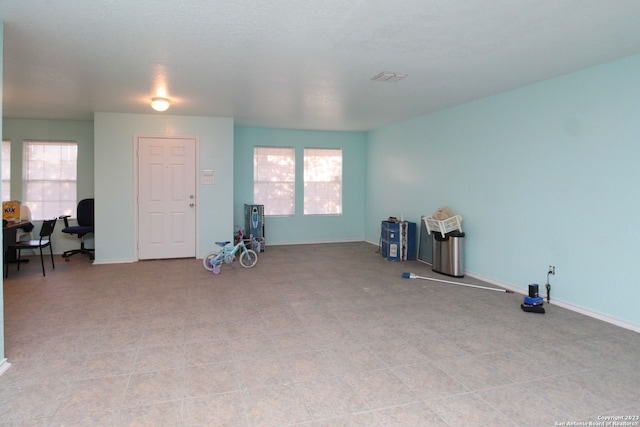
(223, 244)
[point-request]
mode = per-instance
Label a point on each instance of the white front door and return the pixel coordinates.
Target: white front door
(166, 197)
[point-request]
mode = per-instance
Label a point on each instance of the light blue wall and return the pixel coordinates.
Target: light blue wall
(305, 228)
(114, 178)
(544, 175)
(81, 131)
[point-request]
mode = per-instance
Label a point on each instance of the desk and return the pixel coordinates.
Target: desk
(9, 237)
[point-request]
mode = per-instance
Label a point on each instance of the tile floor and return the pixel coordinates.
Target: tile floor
(314, 335)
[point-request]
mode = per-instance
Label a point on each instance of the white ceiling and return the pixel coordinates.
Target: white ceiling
(296, 63)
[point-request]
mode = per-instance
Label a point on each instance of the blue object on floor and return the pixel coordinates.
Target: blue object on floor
(533, 301)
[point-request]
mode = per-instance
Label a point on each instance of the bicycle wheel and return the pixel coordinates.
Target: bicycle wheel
(207, 260)
(249, 258)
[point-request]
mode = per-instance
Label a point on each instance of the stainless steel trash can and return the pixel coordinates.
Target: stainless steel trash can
(448, 256)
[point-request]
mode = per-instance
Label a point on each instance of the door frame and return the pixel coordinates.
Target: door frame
(136, 182)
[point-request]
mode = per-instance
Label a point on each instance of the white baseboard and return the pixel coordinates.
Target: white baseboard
(497, 283)
(115, 261)
(315, 242)
(564, 304)
(597, 315)
(4, 365)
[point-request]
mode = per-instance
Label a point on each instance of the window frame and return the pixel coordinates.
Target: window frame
(6, 169)
(313, 185)
(267, 177)
(61, 180)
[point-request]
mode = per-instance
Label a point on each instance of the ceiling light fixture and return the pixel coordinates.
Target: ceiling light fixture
(388, 76)
(160, 104)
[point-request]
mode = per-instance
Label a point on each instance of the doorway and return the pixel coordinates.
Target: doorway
(166, 199)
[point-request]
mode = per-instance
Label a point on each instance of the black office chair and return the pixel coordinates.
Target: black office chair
(85, 226)
(44, 241)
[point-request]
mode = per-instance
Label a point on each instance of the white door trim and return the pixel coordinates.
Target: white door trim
(136, 138)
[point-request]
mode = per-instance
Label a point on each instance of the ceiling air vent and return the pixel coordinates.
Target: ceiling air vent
(387, 76)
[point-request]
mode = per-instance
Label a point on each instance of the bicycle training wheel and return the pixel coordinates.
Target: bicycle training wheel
(249, 258)
(206, 261)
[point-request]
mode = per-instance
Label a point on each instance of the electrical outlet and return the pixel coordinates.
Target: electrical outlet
(552, 270)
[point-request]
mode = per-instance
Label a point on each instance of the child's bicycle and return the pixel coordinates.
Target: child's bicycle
(214, 259)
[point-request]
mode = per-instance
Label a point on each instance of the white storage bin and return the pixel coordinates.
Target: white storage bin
(450, 224)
